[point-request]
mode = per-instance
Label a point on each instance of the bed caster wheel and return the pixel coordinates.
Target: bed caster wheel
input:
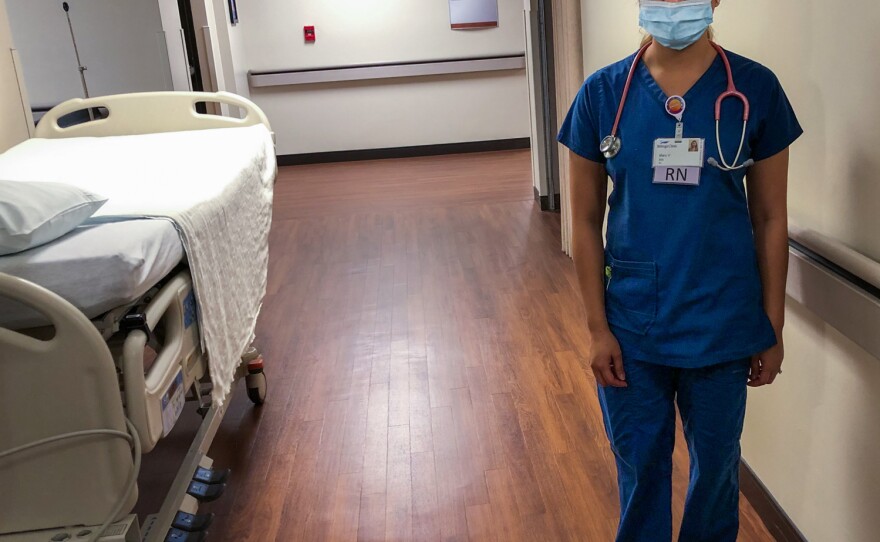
(256, 387)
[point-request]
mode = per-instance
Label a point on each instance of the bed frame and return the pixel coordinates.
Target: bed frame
(78, 341)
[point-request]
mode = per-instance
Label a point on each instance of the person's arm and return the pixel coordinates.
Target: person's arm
(589, 192)
(768, 192)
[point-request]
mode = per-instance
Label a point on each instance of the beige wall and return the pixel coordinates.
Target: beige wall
(386, 113)
(825, 58)
(13, 117)
(815, 440)
(814, 437)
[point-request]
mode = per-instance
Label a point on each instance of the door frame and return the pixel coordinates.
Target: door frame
(542, 74)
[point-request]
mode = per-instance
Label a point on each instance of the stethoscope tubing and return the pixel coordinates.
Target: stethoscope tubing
(626, 87)
(731, 92)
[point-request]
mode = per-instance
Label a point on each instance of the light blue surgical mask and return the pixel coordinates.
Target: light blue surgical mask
(676, 25)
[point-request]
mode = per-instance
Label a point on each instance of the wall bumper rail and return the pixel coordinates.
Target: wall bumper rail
(838, 284)
(389, 70)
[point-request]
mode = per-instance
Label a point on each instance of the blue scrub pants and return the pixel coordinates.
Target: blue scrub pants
(640, 423)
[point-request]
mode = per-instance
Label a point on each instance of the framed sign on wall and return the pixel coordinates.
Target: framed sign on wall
(473, 14)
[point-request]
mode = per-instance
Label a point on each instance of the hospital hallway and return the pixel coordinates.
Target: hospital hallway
(426, 356)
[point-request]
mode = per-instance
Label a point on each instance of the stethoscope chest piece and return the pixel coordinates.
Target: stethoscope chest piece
(610, 146)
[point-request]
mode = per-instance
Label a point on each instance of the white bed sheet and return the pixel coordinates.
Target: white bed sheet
(217, 187)
(96, 268)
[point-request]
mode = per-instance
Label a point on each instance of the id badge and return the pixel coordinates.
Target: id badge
(678, 161)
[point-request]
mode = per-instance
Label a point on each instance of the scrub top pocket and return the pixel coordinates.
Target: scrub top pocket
(630, 294)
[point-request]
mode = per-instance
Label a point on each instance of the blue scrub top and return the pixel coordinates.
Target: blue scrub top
(682, 282)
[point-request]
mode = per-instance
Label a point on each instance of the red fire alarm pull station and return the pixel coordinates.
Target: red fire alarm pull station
(309, 32)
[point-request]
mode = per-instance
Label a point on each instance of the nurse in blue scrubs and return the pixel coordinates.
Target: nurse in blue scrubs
(685, 303)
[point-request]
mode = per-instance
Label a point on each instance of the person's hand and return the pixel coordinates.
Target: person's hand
(606, 360)
(766, 366)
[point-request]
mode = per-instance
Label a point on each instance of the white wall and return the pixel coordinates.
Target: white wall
(813, 437)
(385, 113)
(14, 117)
(119, 42)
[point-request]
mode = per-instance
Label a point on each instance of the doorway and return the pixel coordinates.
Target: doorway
(191, 45)
(556, 73)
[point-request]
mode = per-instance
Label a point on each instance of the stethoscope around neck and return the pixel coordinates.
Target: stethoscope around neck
(610, 146)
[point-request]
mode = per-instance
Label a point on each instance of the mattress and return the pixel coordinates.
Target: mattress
(96, 267)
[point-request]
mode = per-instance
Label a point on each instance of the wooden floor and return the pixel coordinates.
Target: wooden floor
(425, 350)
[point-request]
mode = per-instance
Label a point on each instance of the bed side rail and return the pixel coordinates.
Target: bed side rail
(49, 388)
(147, 396)
(148, 113)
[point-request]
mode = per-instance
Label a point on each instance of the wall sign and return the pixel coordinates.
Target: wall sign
(470, 14)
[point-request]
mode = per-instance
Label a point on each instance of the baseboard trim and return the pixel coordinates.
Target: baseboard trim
(404, 152)
(774, 517)
(545, 201)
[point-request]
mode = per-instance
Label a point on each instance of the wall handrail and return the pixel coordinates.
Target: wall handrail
(837, 258)
(839, 285)
(836, 269)
(386, 70)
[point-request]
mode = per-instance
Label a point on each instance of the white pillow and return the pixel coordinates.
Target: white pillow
(35, 213)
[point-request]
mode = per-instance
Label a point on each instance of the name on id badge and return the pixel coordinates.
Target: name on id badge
(678, 161)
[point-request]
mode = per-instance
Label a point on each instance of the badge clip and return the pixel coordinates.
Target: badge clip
(675, 106)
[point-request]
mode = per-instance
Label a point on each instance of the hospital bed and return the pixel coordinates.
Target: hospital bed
(101, 341)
